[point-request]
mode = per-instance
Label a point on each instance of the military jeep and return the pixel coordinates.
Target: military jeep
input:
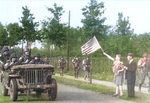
(28, 78)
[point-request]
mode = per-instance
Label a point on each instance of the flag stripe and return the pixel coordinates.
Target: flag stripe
(91, 46)
(91, 50)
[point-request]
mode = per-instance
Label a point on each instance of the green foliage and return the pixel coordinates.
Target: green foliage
(123, 25)
(52, 29)
(15, 33)
(3, 36)
(141, 44)
(29, 32)
(93, 24)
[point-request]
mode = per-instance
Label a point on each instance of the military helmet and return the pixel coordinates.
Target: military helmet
(26, 50)
(13, 55)
(37, 55)
(5, 48)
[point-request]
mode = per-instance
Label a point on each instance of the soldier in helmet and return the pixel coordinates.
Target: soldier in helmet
(75, 62)
(143, 72)
(36, 60)
(12, 61)
(62, 64)
(86, 67)
(4, 57)
(46, 60)
(25, 58)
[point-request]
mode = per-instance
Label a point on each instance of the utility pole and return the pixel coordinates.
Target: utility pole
(68, 42)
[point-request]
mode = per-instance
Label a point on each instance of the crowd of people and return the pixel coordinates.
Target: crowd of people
(122, 71)
(76, 66)
(8, 60)
(130, 69)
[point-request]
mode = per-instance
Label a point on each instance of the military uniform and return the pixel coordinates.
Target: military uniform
(62, 64)
(86, 67)
(46, 61)
(25, 58)
(12, 61)
(75, 63)
(142, 70)
(4, 57)
(36, 60)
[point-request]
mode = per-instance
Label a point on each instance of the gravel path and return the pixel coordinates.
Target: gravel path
(70, 94)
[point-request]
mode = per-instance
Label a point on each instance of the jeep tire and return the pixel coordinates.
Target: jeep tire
(4, 90)
(13, 90)
(52, 93)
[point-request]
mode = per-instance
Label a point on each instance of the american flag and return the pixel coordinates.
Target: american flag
(90, 47)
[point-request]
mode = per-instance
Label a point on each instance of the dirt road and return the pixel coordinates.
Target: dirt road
(70, 94)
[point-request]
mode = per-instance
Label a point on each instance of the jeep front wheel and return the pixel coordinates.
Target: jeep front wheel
(52, 93)
(4, 90)
(13, 90)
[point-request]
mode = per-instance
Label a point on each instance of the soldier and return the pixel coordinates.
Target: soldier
(25, 58)
(142, 70)
(62, 64)
(75, 62)
(86, 66)
(12, 61)
(36, 60)
(4, 57)
(46, 61)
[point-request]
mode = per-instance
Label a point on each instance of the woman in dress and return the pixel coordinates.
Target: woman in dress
(118, 70)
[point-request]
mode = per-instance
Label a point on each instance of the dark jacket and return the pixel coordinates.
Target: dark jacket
(25, 59)
(36, 61)
(131, 72)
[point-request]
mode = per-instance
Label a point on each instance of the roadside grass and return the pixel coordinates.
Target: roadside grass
(139, 97)
(22, 98)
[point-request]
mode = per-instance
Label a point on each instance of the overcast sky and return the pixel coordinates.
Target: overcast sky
(136, 10)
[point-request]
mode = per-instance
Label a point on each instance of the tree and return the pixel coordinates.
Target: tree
(123, 25)
(3, 36)
(93, 24)
(141, 44)
(120, 41)
(14, 33)
(53, 29)
(30, 31)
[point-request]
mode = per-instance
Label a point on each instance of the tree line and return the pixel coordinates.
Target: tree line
(58, 38)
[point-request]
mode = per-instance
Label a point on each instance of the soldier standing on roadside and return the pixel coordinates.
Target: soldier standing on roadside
(86, 67)
(142, 70)
(75, 62)
(25, 58)
(62, 64)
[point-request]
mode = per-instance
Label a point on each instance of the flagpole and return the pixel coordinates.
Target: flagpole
(91, 68)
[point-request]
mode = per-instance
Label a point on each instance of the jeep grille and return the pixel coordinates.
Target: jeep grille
(34, 76)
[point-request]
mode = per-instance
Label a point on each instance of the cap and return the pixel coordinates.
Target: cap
(130, 54)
